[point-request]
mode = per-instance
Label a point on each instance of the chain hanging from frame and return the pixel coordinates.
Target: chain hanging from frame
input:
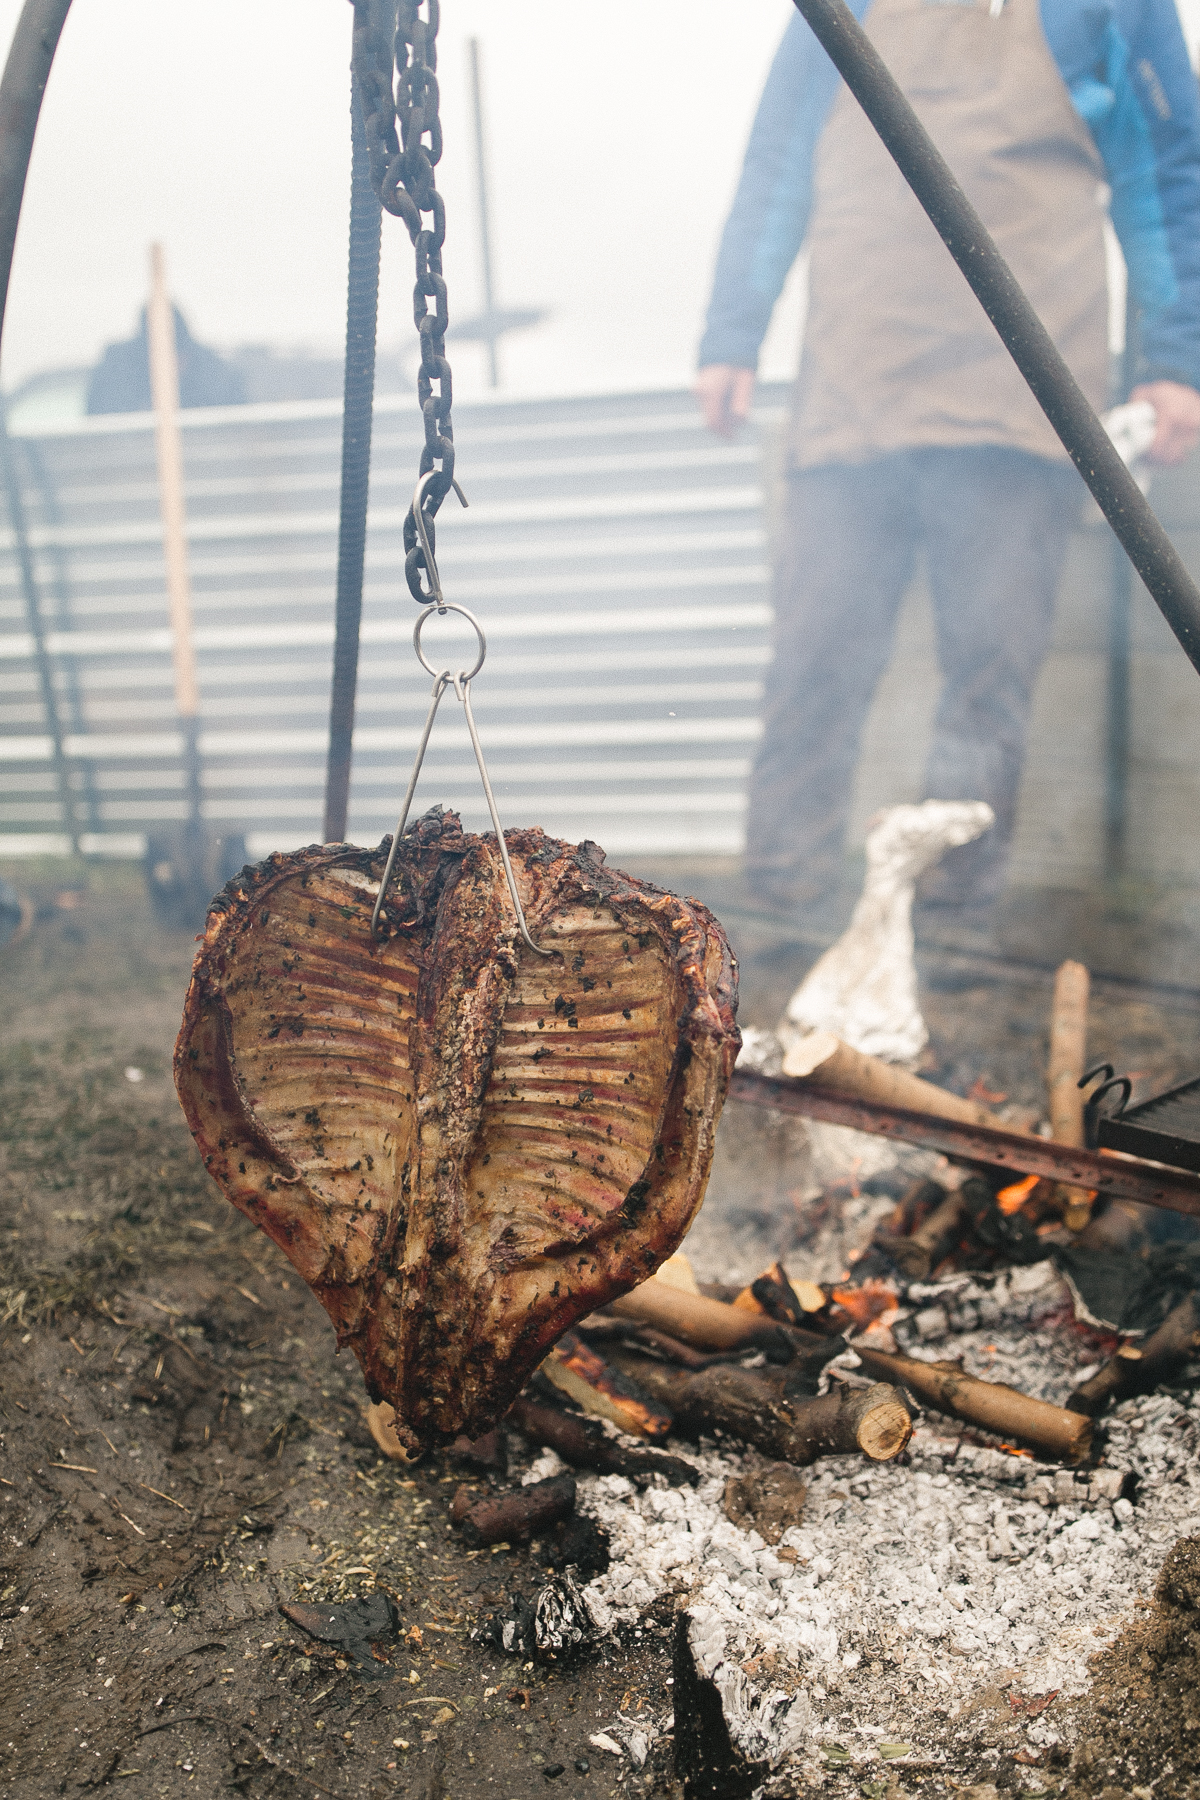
(395, 69)
(395, 75)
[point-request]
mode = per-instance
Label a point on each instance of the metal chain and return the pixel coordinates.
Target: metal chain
(393, 42)
(392, 35)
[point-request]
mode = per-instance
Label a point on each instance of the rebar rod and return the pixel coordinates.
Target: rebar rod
(362, 312)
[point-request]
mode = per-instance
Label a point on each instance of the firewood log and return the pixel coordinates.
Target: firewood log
(754, 1405)
(1068, 1057)
(706, 1324)
(586, 1377)
(719, 1325)
(923, 1249)
(993, 1407)
(519, 1514)
(1139, 1369)
(585, 1446)
(825, 1061)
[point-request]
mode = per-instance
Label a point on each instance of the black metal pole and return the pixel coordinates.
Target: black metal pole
(69, 665)
(485, 225)
(37, 631)
(1025, 337)
(1117, 697)
(21, 88)
(362, 308)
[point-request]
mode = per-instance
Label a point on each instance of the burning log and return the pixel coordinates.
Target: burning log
(673, 1349)
(696, 1319)
(918, 1254)
(520, 1514)
(786, 1301)
(1065, 1436)
(583, 1374)
(761, 1407)
(1068, 1056)
(716, 1325)
(1140, 1369)
(826, 1062)
(586, 1447)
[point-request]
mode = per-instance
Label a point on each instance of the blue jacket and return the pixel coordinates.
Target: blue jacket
(1125, 65)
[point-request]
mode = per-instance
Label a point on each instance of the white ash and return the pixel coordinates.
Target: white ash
(864, 988)
(770, 1167)
(914, 1585)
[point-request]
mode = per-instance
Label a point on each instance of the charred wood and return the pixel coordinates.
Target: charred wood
(916, 1255)
(1140, 1369)
(585, 1446)
(520, 1514)
(488, 1453)
(757, 1406)
(707, 1324)
(598, 1387)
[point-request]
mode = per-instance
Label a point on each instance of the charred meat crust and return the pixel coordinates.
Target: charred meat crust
(462, 1147)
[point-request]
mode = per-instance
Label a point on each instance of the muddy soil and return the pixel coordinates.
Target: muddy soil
(182, 1452)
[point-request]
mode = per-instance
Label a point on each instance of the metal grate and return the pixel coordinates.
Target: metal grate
(1165, 1129)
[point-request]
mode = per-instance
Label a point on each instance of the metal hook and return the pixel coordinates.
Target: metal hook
(431, 568)
(461, 682)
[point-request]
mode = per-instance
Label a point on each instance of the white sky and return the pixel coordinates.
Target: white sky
(222, 127)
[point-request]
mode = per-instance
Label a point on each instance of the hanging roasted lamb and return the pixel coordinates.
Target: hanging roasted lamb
(462, 1145)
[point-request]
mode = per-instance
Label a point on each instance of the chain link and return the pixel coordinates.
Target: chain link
(395, 69)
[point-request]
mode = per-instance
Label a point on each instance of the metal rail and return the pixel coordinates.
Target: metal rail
(1026, 339)
(1112, 1176)
(21, 89)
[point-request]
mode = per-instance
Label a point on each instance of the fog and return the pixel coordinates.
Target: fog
(221, 127)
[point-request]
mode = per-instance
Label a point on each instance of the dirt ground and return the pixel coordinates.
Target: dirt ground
(182, 1452)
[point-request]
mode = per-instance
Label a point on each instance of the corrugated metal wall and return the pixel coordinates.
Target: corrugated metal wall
(617, 555)
(614, 551)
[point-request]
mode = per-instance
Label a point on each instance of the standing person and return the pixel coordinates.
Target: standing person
(911, 427)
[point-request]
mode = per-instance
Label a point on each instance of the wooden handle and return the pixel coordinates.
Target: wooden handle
(164, 391)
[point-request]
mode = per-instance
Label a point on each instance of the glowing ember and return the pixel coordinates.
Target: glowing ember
(867, 1303)
(1012, 1199)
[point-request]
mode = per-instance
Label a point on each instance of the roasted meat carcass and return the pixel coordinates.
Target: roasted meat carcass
(462, 1146)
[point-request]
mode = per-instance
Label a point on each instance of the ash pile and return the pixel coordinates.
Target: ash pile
(944, 1444)
(951, 1482)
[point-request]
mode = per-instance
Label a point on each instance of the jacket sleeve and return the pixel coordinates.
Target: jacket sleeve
(1126, 66)
(769, 217)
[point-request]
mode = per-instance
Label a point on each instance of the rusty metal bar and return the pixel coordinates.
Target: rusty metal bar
(1117, 1178)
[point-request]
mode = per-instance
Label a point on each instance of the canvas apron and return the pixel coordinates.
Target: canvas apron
(898, 353)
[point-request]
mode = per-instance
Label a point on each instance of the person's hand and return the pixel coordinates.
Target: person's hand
(1178, 409)
(725, 393)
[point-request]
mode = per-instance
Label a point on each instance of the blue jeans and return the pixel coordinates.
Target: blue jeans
(994, 524)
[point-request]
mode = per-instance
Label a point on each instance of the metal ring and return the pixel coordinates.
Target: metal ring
(445, 607)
